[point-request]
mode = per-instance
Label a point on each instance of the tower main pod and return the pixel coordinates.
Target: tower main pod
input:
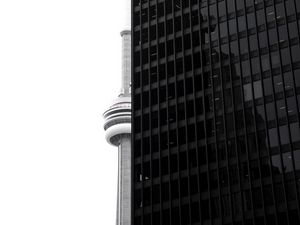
(117, 128)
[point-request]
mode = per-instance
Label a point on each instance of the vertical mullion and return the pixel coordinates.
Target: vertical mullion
(150, 111)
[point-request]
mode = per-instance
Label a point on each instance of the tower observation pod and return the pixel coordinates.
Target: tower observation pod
(117, 128)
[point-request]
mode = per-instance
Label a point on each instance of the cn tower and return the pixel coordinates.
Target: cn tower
(117, 128)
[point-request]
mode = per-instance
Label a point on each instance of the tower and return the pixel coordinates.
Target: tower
(117, 128)
(215, 112)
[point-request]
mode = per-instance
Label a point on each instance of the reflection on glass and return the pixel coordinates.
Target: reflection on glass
(287, 162)
(257, 89)
(276, 164)
(247, 92)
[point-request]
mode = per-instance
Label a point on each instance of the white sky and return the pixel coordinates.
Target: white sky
(60, 68)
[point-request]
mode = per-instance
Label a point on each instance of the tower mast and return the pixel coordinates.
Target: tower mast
(117, 128)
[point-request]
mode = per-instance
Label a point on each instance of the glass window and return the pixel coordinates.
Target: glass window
(232, 26)
(273, 137)
(228, 98)
(295, 132)
(234, 50)
(281, 108)
(272, 36)
(230, 5)
(257, 89)
(279, 194)
(260, 17)
(268, 195)
(214, 34)
(253, 43)
(287, 162)
(297, 159)
(268, 86)
(248, 92)
(279, 10)
(223, 29)
(291, 105)
(222, 8)
(290, 7)
(265, 62)
(243, 45)
(284, 135)
(290, 191)
(275, 59)
(236, 203)
(239, 5)
(204, 13)
(270, 14)
(296, 53)
(263, 41)
(293, 30)
(245, 68)
(241, 22)
(285, 56)
(288, 81)
(278, 84)
(270, 111)
(276, 164)
(283, 34)
(257, 198)
(213, 11)
(260, 114)
(251, 20)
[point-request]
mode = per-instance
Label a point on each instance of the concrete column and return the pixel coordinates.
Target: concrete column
(124, 189)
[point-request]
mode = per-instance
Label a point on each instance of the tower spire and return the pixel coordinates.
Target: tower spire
(126, 62)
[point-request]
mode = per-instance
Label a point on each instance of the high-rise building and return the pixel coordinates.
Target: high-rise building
(118, 133)
(216, 102)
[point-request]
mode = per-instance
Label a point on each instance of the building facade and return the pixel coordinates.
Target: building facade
(117, 128)
(216, 102)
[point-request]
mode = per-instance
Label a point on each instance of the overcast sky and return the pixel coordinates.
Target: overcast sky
(60, 68)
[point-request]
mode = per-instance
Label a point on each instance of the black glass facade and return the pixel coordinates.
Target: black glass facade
(216, 102)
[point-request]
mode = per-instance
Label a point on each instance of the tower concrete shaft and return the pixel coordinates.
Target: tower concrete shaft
(117, 128)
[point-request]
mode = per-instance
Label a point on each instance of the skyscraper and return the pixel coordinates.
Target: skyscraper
(216, 102)
(118, 133)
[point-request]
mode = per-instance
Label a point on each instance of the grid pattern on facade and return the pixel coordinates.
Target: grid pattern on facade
(216, 102)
